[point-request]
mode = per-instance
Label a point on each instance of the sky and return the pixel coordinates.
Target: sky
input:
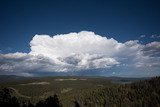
(80, 37)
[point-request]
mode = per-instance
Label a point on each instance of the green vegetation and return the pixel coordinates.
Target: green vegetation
(82, 92)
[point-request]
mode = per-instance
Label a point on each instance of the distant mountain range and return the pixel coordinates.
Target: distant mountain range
(13, 78)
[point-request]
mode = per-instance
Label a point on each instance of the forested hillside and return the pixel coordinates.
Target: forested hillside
(80, 92)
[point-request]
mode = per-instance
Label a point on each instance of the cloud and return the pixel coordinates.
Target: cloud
(73, 43)
(83, 50)
(142, 36)
(77, 52)
(155, 36)
(151, 56)
(152, 49)
(19, 62)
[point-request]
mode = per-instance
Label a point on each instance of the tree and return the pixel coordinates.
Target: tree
(30, 104)
(40, 104)
(76, 104)
(6, 100)
(51, 101)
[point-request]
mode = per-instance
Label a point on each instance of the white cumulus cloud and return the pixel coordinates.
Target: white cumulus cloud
(73, 43)
(80, 51)
(83, 50)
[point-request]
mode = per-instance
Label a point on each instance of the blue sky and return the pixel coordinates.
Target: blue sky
(123, 20)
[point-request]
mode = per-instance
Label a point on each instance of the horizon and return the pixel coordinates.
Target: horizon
(98, 76)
